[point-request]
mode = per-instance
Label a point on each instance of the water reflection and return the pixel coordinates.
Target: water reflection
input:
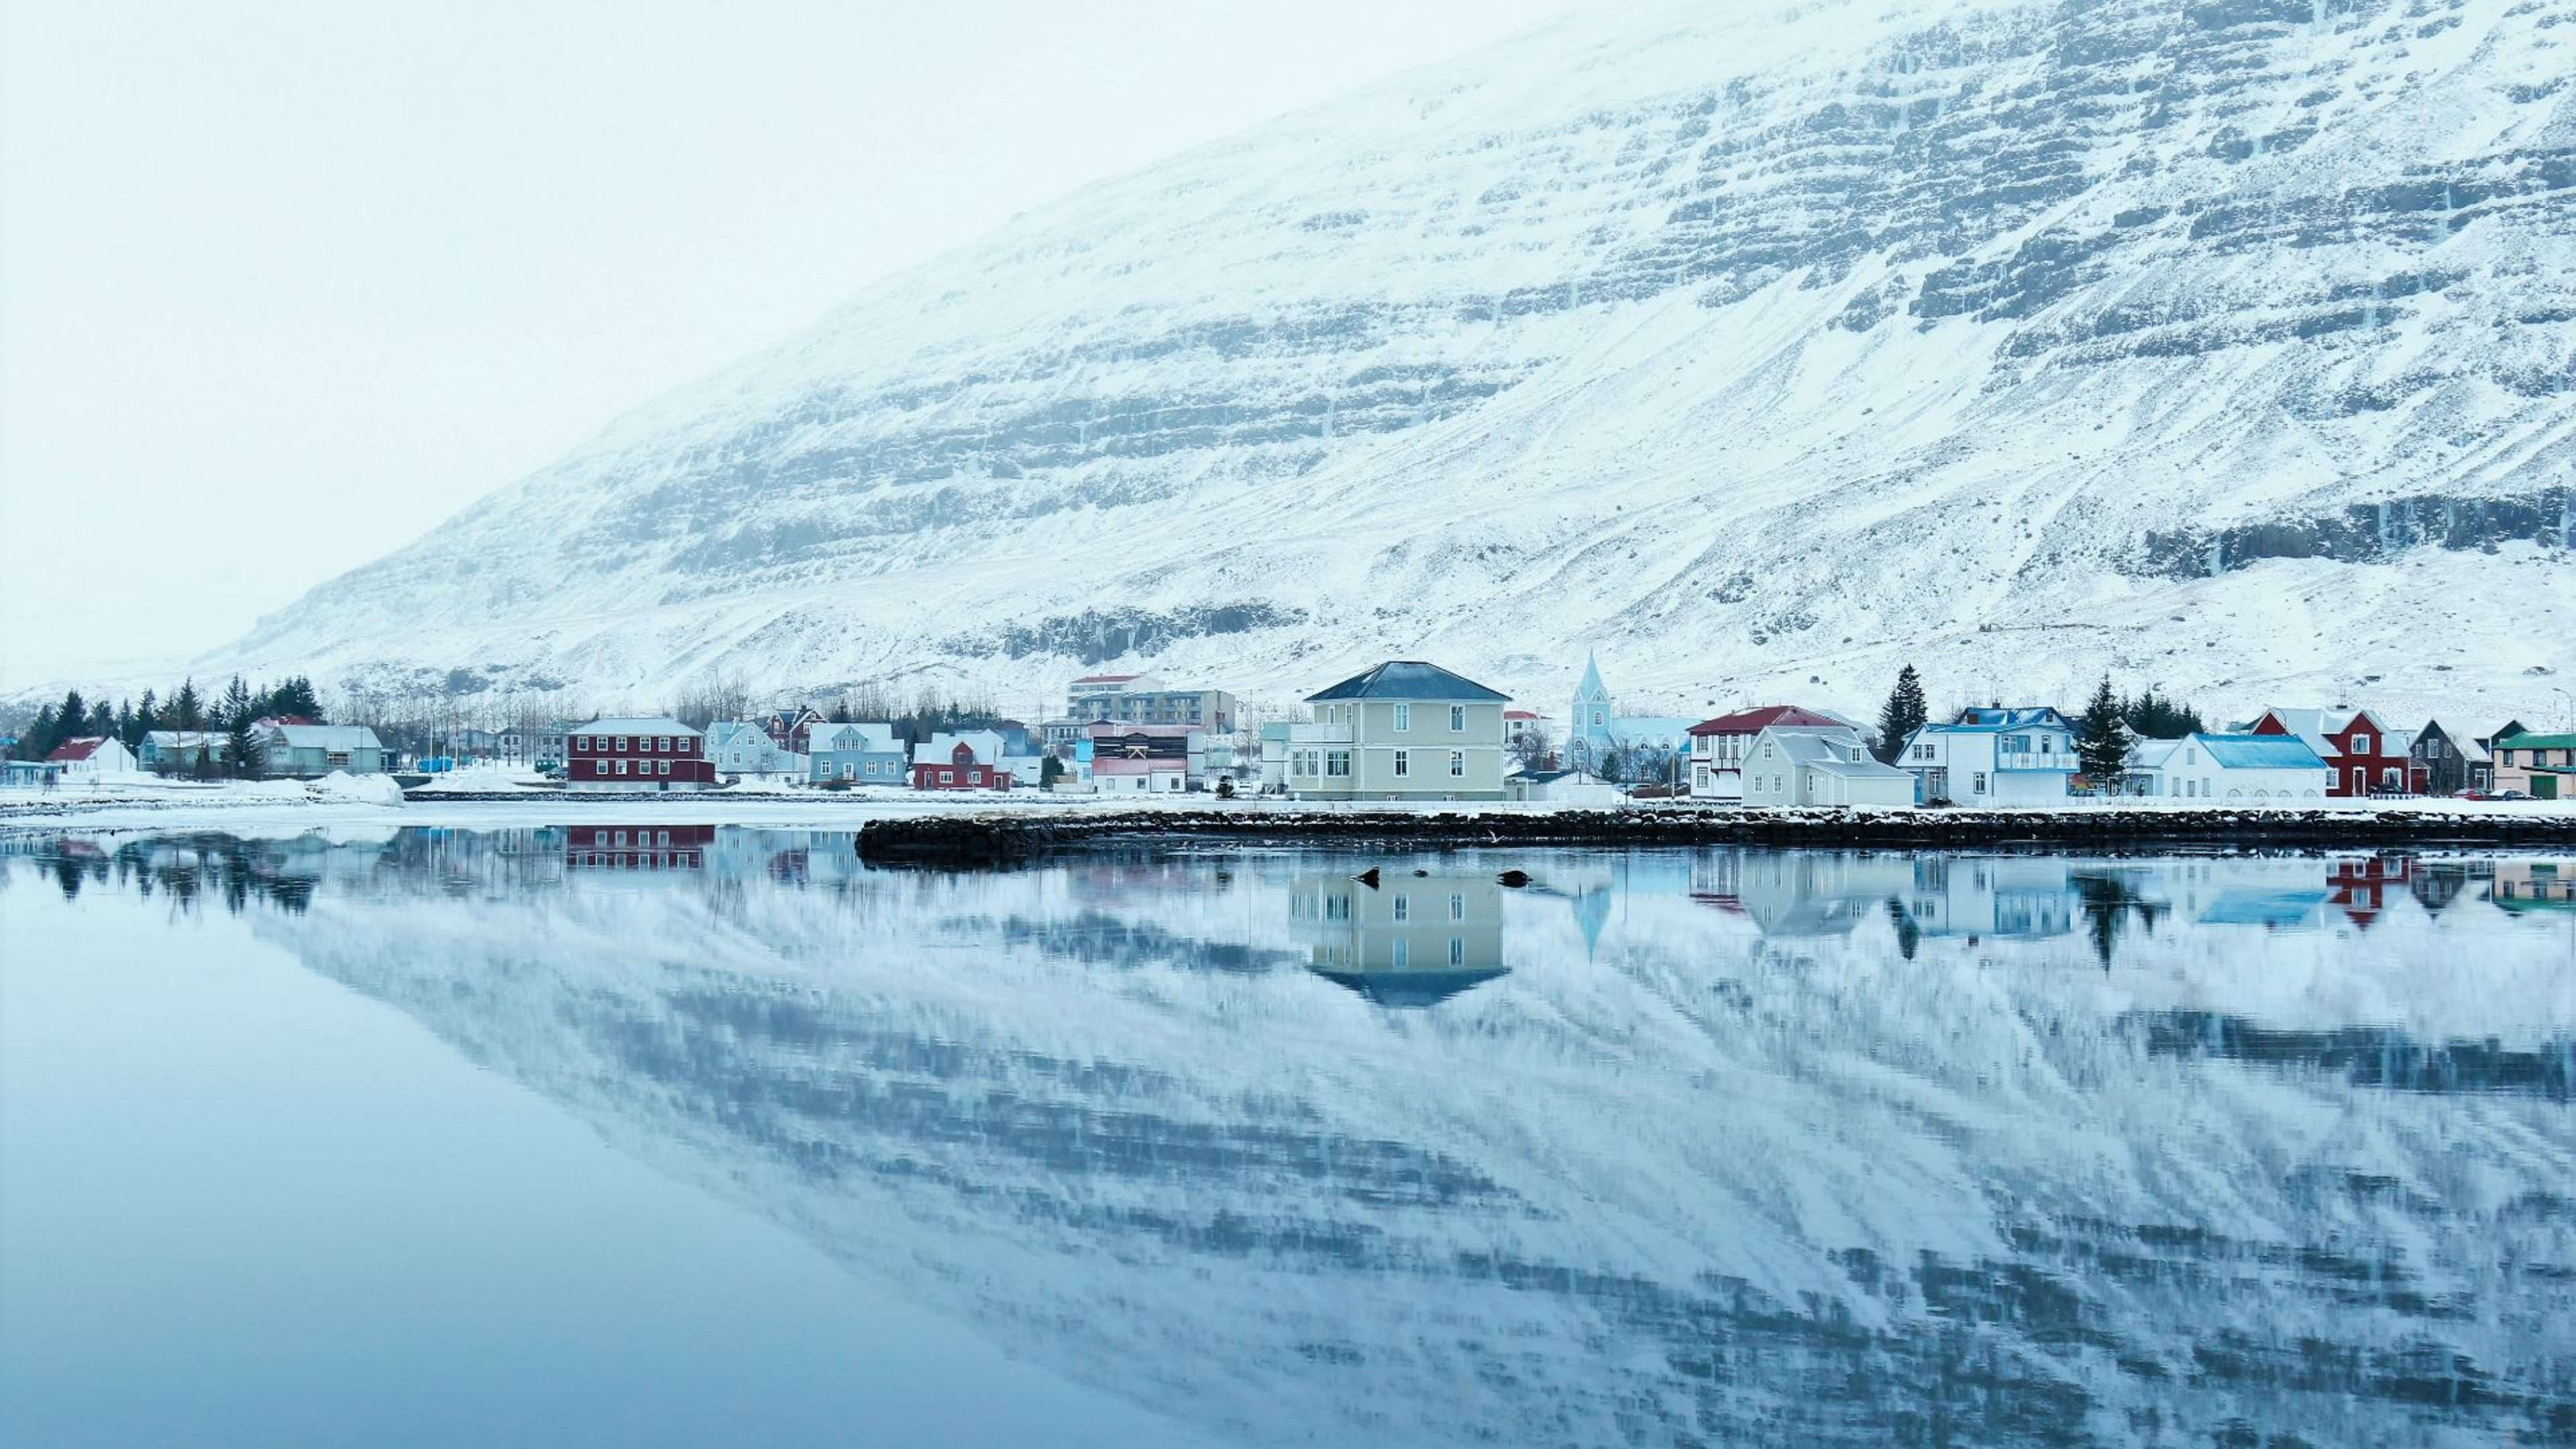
(1724, 1146)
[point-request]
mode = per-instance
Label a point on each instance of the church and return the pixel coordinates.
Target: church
(1630, 748)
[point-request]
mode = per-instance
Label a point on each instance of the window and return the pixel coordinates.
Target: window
(1403, 907)
(1457, 719)
(1337, 764)
(1457, 952)
(661, 837)
(1978, 783)
(621, 767)
(599, 767)
(846, 772)
(2361, 744)
(1403, 763)
(581, 742)
(621, 743)
(666, 767)
(948, 777)
(1404, 719)
(1766, 749)
(621, 840)
(663, 743)
(1457, 764)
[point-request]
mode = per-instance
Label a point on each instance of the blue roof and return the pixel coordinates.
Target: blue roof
(2259, 752)
(1408, 679)
(1999, 717)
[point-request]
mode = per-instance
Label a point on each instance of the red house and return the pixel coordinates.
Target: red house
(656, 753)
(950, 763)
(2357, 747)
(637, 847)
(1717, 746)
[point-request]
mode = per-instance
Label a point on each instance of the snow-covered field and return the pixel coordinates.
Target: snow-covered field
(148, 802)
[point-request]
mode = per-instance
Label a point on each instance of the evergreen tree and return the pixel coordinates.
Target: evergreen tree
(102, 721)
(70, 718)
(148, 713)
(1902, 715)
(186, 712)
(38, 741)
(128, 733)
(2102, 738)
(238, 709)
(242, 754)
(294, 697)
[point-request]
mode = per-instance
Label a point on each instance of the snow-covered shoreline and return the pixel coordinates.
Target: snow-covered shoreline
(270, 805)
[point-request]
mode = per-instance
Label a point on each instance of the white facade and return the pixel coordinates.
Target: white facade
(1793, 765)
(1563, 787)
(1994, 757)
(2231, 769)
(108, 757)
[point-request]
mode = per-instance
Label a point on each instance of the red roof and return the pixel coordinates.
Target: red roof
(1755, 721)
(72, 752)
(1518, 714)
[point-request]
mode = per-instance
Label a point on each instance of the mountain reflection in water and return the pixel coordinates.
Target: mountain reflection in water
(1688, 1147)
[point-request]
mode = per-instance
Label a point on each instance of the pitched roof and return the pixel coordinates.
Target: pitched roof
(2006, 717)
(1408, 679)
(1754, 721)
(2260, 752)
(1106, 678)
(326, 737)
(659, 724)
(852, 735)
(72, 752)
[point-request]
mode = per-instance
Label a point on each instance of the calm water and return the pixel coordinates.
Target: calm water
(635, 1135)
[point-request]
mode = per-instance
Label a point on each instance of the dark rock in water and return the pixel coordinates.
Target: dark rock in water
(1422, 872)
(1514, 878)
(1367, 877)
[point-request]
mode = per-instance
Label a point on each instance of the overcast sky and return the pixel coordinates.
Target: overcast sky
(283, 285)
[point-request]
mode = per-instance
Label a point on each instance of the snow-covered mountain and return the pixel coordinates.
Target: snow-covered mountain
(2226, 343)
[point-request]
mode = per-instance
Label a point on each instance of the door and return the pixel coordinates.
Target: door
(2544, 787)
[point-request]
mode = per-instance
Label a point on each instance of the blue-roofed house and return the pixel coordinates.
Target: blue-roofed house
(1404, 730)
(2233, 769)
(1994, 756)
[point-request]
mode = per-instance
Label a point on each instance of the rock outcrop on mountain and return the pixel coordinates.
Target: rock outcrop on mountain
(2223, 343)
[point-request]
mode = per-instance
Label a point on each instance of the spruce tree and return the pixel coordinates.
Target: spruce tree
(2102, 738)
(38, 741)
(238, 708)
(70, 718)
(187, 712)
(242, 753)
(1901, 716)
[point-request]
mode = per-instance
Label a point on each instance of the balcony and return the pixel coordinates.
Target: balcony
(1319, 734)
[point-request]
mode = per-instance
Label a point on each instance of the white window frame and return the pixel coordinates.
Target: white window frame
(1404, 719)
(1457, 764)
(1403, 764)
(621, 767)
(1457, 719)
(1340, 758)
(621, 744)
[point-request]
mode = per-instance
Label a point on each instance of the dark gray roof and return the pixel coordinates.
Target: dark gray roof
(1407, 679)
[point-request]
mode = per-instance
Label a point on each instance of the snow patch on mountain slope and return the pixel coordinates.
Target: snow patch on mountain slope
(1755, 350)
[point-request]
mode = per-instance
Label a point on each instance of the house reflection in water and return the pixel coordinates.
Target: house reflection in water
(1409, 941)
(2534, 885)
(1793, 894)
(637, 847)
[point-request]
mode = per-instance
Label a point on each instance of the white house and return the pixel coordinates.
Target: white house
(90, 757)
(1994, 756)
(1820, 765)
(1717, 746)
(2233, 769)
(1563, 787)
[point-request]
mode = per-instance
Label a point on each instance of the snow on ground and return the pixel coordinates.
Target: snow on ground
(153, 803)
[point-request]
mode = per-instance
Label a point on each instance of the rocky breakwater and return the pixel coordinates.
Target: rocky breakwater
(969, 841)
